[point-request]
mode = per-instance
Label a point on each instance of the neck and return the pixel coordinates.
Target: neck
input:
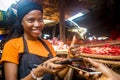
(30, 38)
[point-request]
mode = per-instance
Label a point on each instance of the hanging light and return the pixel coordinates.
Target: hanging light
(75, 16)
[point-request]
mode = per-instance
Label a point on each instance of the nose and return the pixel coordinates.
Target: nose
(37, 24)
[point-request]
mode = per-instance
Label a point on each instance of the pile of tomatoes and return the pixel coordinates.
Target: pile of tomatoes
(113, 50)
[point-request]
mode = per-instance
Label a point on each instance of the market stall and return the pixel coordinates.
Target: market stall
(106, 52)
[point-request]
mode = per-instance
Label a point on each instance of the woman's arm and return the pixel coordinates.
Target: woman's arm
(37, 73)
(48, 66)
(10, 70)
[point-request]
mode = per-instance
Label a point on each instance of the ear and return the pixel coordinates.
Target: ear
(22, 22)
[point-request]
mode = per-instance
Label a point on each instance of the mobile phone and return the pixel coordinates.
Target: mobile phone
(69, 61)
(84, 69)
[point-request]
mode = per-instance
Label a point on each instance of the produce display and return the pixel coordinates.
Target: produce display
(106, 48)
(59, 45)
(106, 52)
(102, 50)
(110, 48)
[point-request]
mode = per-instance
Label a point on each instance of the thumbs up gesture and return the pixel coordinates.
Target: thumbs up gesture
(74, 49)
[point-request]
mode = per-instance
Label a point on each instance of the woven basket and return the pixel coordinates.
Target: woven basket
(112, 64)
(112, 60)
(106, 57)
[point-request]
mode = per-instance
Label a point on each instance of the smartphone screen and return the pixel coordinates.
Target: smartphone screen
(84, 69)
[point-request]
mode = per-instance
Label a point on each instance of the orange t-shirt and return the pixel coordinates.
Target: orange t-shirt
(15, 46)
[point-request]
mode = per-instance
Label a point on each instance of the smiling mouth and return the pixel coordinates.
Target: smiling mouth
(36, 31)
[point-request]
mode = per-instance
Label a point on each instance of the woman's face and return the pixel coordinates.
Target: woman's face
(33, 24)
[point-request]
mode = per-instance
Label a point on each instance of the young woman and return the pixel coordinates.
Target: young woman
(25, 56)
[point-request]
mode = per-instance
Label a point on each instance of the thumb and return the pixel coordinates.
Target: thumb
(73, 41)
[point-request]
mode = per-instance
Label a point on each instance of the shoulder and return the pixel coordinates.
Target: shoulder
(11, 50)
(15, 41)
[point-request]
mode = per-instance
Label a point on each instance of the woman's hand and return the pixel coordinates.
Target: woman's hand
(74, 49)
(49, 66)
(107, 73)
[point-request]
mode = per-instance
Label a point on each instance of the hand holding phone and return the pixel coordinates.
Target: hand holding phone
(85, 69)
(81, 67)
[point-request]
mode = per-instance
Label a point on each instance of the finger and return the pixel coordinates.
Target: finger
(94, 63)
(54, 59)
(78, 54)
(56, 71)
(76, 46)
(94, 76)
(80, 72)
(84, 74)
(73, 41)
(59, 66)
(98, 75)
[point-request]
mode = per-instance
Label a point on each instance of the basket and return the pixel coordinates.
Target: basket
(106, 57)
(110, 60)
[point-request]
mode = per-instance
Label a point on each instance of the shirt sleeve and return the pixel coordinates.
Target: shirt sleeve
(10, 52)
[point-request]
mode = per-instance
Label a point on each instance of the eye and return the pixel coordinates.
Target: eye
(40, 20)
(31, 20)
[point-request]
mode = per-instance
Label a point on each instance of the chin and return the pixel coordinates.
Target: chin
(36, 35)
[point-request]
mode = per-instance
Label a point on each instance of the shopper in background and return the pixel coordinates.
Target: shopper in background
(25, 55)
